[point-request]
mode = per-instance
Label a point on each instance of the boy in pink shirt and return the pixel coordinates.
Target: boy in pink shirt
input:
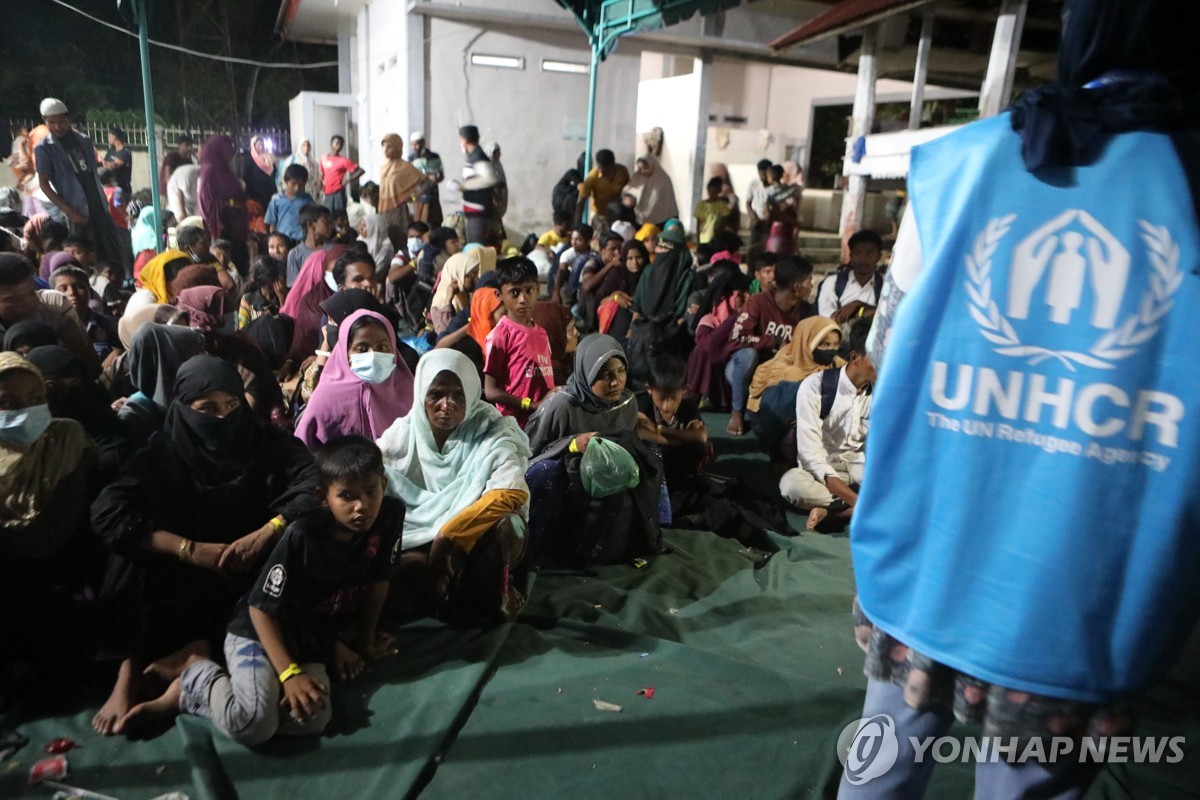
(517, 371)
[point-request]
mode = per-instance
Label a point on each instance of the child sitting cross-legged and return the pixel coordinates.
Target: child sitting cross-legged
(673, 422)
(323, 585)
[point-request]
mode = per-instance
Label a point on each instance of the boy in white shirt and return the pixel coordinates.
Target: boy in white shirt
(833, 409)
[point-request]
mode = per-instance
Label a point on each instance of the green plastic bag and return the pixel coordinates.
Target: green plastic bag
(607, 468)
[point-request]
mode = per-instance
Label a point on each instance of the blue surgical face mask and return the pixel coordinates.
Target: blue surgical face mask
(415, 245)
(24, 426)
(373, 367)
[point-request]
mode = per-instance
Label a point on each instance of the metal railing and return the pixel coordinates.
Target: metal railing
(167, 136)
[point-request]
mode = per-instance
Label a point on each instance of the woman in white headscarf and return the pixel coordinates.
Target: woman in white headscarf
(303, 156)
(459, 466)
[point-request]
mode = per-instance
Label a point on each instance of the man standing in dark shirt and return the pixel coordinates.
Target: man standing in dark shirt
(66, 167)
(119, 159)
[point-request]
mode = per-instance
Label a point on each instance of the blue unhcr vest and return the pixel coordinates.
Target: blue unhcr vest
(1031, 513)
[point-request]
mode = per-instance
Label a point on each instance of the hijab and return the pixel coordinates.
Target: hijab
(455, 270)
(205, 306)
(146, 232)
(216, 450)
(593, 353)
(154, 275)
(155, 356)
(484, 303)
(30, 475)
(31, 333)
(486, 452)
(344, 404)
(398, 180)
(663, 290)
(87, 404)
(794, 362)
(219, 185)
(263, 159)
(303, 303)
(1107, 84)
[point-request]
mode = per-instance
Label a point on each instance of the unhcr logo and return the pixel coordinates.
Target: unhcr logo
(1063, 256)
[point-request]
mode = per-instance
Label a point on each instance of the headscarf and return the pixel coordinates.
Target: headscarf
(54, 260)
(155, 355)
(378, 244)
(194, 276)
(303, 303)
(663, 290)
(154, 276)
(205, 306)
(398, 180)
(216, 450)
(88, 404)
(219, 185)
(593, 353)
(344, 403)
(1106, 85)
(455, 270)
(309, 162)
(29, 477)
(263, 159)
(31, 333)
(486, 452)
(131, 323)
(794, 362)
(484, 303)
(272, 333)
(147, 232)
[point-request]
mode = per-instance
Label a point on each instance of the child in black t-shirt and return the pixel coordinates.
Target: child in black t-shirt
(328, 575)
(672, 422)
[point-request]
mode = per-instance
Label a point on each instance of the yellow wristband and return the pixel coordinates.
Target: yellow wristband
(292, 671)
(615, 297)
(526, 403)
(574, 448)
(279, 523)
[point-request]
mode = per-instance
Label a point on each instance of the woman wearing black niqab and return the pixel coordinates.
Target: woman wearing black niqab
(189, 519)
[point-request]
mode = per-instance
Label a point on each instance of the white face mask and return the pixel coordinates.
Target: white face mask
(373, 367)
(24, 426)
(330, 282)
(415, 245)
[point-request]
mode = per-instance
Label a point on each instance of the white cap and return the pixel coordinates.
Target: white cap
(52, 106)
(416, 136)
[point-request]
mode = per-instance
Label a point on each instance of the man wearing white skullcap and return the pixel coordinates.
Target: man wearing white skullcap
(66, 167)
(428, 207)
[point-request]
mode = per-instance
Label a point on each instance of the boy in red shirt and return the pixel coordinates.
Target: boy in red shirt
(337, 171)
(517, 372)
(765, 325)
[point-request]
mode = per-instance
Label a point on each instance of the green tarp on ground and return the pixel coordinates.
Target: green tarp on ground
(754, 672)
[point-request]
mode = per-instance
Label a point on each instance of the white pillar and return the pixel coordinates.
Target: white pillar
(416, 109)
(704, 67)
(921, 72)
(997, 85)
(855, 200)
(345, 58)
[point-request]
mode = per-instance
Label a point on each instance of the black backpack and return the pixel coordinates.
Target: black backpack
(841, 279)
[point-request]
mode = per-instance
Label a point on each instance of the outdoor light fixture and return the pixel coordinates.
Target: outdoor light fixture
(502, 62)
(564, 66)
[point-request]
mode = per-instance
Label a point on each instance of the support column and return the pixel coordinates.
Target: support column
(997, 85)
(416, 53)
(345, 57)
(921, 72)
(854, 202)
(704, 68)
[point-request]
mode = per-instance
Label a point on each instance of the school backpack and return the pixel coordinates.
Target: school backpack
(841, 279)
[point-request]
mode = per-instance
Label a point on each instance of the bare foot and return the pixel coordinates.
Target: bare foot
(163, 707)
(119, 702)
(171, 667)
(736, 426)
(815, 518)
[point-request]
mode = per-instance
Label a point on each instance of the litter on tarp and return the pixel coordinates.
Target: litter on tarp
(173, 796)
(60, 746)
(603, 706)
(66, 792)
(643, 655)
(48, 769)
(647, 692)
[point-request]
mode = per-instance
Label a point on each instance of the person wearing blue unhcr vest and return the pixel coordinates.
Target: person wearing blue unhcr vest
(1027, 544)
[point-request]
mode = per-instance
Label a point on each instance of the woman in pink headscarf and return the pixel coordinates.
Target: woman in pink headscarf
(303, 303)
(365, 387)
